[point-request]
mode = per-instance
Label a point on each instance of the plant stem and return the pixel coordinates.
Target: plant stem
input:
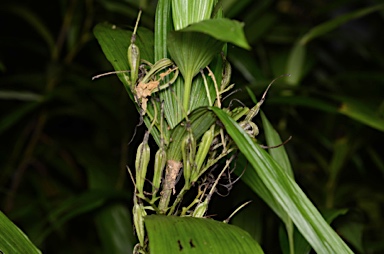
(187, 92)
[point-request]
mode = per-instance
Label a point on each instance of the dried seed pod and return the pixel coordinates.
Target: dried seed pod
(188, 151)
(160, 162)
(142, 159)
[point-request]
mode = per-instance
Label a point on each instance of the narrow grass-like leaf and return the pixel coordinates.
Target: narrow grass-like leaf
(12, 239)
(361, 112)
(285, 190)
(20, 95)
(281, 157)
(273, 139)
(171, 234)
(336, 22)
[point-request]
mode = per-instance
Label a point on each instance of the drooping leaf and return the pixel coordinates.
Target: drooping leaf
(222, 29)
(285, 190)
(171, 234)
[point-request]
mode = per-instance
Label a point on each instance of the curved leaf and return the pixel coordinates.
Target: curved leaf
(222, 29)
(172, 234)
(285, 190)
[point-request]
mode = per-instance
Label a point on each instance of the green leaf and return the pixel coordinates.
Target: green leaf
(222, 29)
(273, 139)
(12, 239)
(163, 25)
(114, 42)
(171, 234)
(186, 12)
(191, 52)
(285, 190)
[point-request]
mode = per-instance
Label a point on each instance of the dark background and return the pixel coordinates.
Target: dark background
(63, 137)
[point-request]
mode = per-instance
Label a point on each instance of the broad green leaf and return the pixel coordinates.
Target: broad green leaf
(222, 29)
(186, 12)
(12, 239)
(285, 190)
(172, 234)
(114, 42)
(191, 52)
(336, 22)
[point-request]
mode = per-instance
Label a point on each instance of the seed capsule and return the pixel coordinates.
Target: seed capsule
(134, 56)
(202, 152)
(138, 220)
(142, 159)
(160, 162)
(200, 209)
(188, 150)
(134, 62)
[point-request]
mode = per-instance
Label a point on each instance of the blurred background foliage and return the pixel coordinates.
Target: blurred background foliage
(63, 137)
